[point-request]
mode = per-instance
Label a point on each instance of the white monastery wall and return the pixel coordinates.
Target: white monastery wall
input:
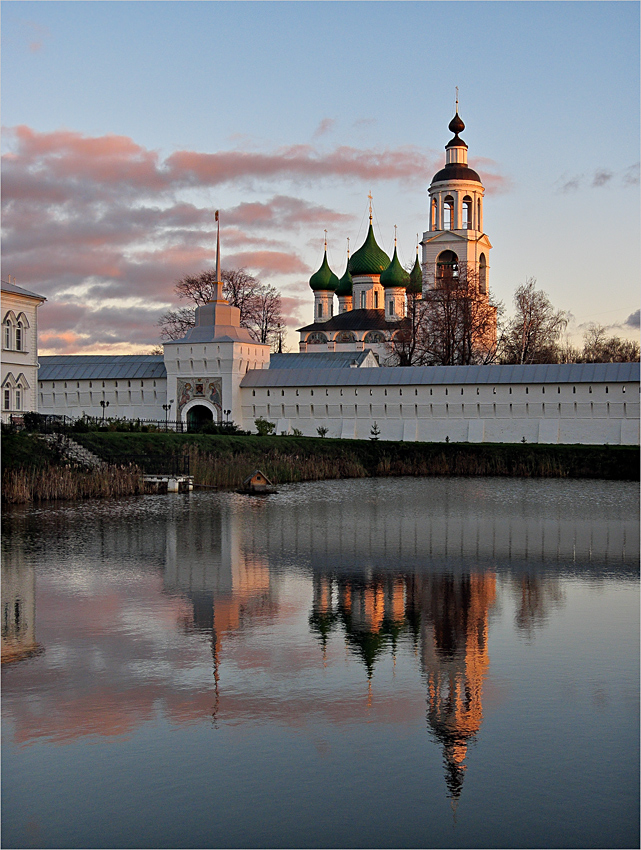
(539, 413)
(128, 398)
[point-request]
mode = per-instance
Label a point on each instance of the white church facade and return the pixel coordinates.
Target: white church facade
(339, 380)
(19, 349)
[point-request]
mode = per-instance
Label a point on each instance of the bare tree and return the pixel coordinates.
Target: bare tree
(459, 323)
(599, 348)
(452, 324)
(174, 324)
(404, 347)
(259, 304)
(533, 335)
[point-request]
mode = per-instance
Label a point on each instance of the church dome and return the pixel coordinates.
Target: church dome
(456, 125)
(456, 171)
(345, 283)
(415, 286)
(324, 278)
(395, 274)
(369, 259)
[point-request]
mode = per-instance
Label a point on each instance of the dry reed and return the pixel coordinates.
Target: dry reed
(68, 482)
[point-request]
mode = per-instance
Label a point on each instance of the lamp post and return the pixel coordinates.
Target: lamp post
(166, 408)
(103, 404)
(227, 414)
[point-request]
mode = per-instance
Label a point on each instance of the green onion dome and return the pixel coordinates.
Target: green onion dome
(369, 259)
(345, 283)
(395, 274)
(416, 279)
(324, 278)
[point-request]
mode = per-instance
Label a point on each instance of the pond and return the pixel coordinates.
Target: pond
(411, 662)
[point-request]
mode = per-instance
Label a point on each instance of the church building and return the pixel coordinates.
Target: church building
(374, 291)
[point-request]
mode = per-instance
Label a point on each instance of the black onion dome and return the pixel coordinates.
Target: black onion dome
(456, 125)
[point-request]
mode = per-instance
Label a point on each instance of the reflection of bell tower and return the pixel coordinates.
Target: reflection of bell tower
(455, 661)
(455, 237)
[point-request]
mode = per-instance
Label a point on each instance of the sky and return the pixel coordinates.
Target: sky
(126, 125)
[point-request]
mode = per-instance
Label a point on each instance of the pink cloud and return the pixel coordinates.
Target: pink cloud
(87, 219)
(324, 127)
(268, 263)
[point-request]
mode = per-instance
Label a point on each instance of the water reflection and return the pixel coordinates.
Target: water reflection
(18, 608)
(444, 615)
(220, 606)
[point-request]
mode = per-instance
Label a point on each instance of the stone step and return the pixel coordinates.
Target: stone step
(73, 451)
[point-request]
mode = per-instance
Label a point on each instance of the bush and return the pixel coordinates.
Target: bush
(264, 427)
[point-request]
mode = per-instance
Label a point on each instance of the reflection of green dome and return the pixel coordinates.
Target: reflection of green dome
(324, 278)
(416, 279)
(345, 283)
(395, 274)
(369, 259)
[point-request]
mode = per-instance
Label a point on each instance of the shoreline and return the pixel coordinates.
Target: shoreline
(34, 471)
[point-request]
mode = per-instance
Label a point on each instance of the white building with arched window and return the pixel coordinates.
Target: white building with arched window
(19, 349)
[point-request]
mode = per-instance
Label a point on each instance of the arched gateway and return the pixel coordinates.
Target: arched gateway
(199, 415)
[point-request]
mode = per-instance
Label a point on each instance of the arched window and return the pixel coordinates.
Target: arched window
(482, 275)
(467, 213)
(363, 300)
(316, 338)
(446, 267)
(319, 312)
(448, 213)
(374, 337)
(7, 333)
(345, 336)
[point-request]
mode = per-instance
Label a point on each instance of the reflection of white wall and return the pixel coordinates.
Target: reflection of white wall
(445, 523)
(18, 606)
(204, 552)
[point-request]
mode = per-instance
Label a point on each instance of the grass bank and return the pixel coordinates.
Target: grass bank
(33, 471)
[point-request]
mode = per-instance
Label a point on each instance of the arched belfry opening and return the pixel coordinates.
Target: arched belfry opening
(447, 267)
(197, 416)
(467, 213)
(448, 213)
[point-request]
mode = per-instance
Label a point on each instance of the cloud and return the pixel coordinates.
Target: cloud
(631, 175)
(633, 319)
(40, 33)
(495, 183)
(601, 177)
(325, 126)
(107, 226)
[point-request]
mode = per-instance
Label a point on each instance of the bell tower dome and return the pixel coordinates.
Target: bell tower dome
(456, 238)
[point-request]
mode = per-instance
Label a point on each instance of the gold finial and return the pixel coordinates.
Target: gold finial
(370, 206)
(348, 247)
(457, 100)
(395, 236)
(417, 244)
(326, 240)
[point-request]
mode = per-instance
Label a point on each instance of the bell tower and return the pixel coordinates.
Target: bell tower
(456, 238)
